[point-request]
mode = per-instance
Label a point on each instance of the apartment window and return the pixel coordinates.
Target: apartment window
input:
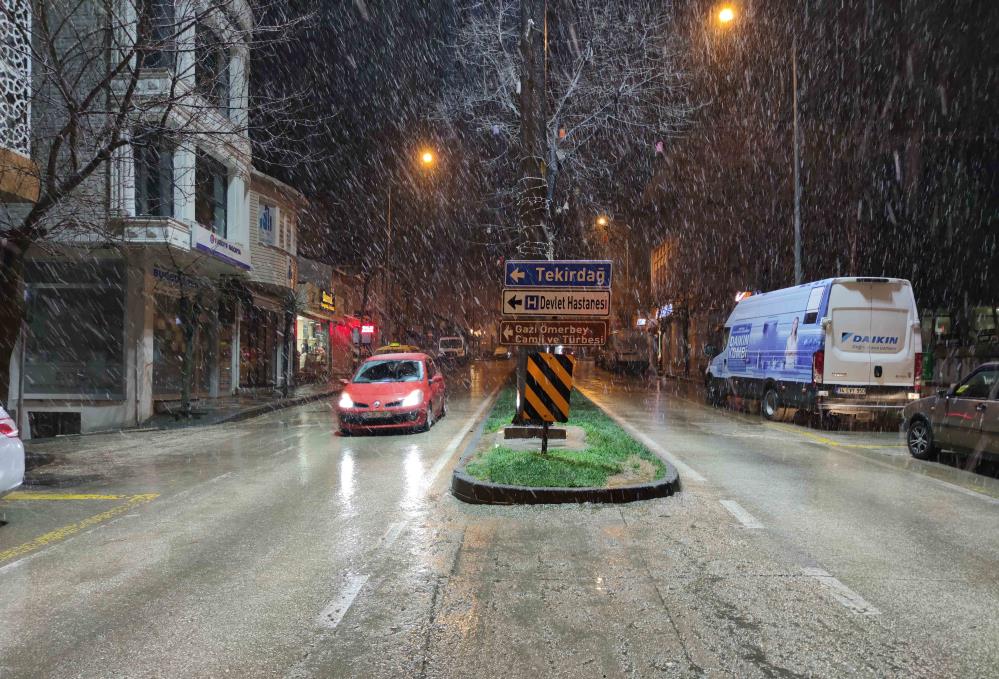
(211, 71)
(157, 33)
(153, 176)
(211, 183)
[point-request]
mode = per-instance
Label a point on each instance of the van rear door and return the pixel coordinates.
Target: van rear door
(848, 358)
(893, 343)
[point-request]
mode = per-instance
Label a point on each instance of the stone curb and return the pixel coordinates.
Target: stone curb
(256, 411)
(474, 491)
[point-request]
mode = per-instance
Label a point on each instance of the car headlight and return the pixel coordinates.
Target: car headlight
(346, 401)
(415, 398)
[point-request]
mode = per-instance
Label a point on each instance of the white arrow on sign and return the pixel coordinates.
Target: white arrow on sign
(507, 332)
(517, 275)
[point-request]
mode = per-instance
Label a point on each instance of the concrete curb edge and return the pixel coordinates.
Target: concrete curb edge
(474, 491)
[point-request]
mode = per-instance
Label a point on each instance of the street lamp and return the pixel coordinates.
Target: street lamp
(726, 15)
(601, 221)
(427, 160)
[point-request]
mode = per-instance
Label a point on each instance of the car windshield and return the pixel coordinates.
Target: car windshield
(389, 371)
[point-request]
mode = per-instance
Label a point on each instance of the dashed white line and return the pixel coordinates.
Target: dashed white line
(744, 517)
(392, 534)
(841, 593)
(282, 451)
(686, 472)
(333, 613)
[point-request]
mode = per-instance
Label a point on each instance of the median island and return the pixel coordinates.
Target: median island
(597, 462)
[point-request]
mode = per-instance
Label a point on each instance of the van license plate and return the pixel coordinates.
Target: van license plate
(852, 391)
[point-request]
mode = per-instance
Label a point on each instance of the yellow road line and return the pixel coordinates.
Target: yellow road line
(34, 495)
(826, 440)
(60, 534)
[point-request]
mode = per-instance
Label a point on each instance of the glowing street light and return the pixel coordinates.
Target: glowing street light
(427, 158)
(601, 221)
(726, 14)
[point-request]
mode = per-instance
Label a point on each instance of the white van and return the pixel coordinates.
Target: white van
(844, 346)
(451, 348)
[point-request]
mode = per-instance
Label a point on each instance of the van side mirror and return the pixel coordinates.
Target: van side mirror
(826, 322)
(710, 350)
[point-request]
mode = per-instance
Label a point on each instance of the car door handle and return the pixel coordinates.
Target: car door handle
(980, 407)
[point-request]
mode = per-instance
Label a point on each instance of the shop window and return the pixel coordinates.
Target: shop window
(211, 183)
(258, 342)
(211, 70)
(169, 347)
(313, 349)
(76, 326)
(153, 176)
(157, 31)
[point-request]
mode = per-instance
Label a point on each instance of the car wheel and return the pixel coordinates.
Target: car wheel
(444, 407)
(345, 432)
(919, 439)
(771, 406)
(430, 417)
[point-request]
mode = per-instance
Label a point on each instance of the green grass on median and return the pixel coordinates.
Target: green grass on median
(610, 452)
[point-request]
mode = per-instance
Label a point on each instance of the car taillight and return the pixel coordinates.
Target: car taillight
(8, 427)
(818, 366)
(917, 375)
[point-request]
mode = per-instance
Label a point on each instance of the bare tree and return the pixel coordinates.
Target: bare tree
(114, 76)
(566, 98)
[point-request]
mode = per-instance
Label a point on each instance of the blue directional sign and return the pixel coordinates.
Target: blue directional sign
(569, 273)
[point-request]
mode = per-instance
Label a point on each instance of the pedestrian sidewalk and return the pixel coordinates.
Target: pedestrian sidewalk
(244, 406)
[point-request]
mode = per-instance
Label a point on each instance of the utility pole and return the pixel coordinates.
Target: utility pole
(798, 269)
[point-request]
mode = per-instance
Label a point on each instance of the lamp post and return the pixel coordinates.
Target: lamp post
(726, 16)
(427, 161)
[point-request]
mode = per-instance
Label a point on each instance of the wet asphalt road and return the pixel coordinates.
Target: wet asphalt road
(274, 547)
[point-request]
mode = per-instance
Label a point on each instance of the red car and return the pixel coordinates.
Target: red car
(393, 391)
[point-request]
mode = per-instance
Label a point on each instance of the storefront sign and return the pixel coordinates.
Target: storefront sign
(165, 278)
(209, 242)
(327, 300)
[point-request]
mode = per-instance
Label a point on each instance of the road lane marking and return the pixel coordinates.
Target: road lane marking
(334, 611)
(60, 534)
(744, 517)
(41, 495)
(832, 442)
(282, 451)
(392, 534)
(444, 457)
(843, 594)
(684, 469)
(881, 463)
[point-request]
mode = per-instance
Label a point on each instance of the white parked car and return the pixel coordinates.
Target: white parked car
(11, 455)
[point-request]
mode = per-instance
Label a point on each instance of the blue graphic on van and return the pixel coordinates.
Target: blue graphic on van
(738, 346)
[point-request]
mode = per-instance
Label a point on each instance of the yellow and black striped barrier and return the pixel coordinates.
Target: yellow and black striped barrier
(547, 386)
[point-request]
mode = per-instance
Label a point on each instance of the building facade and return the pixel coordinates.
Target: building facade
(18, 173)
(137, 308)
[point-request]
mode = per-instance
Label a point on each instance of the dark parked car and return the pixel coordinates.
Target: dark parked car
(964, 418)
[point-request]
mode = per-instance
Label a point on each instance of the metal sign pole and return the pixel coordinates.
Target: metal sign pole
(544, 438)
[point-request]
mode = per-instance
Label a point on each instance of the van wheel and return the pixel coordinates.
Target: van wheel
(771, 406)
(919, 439)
